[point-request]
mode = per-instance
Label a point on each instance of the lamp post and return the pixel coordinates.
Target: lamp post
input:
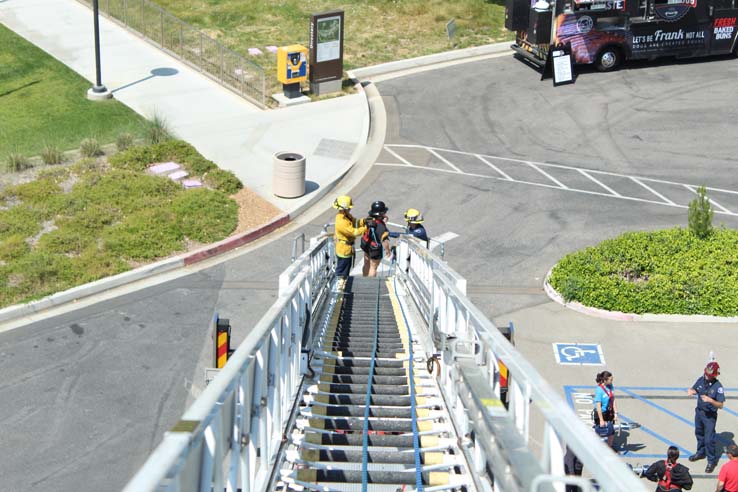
(98, 91)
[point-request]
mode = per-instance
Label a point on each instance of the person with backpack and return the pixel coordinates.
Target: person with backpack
(605, 412)
(669, 474)
(375, 240)
(347, 229)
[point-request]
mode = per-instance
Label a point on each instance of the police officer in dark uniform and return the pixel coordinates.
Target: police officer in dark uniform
(710, 398)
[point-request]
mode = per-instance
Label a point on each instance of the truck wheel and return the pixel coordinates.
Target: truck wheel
(609, 59)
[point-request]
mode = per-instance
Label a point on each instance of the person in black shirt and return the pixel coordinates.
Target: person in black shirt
(669, 474)
(710, 398)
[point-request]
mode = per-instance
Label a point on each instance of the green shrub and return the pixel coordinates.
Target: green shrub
(145, 235)
(93, 264)
(205, 215)
(52, 155)
(124, 141)
(136, 158)
(21, 220)
(198, 166)
(16, 162)
(669, 271)
(13, 247)
(700, 214)
(158, 130)
(174, 150)
(223, 180)
(90, 147)
(64, 241)
(35, 192)
(55, 173)
(86, 165)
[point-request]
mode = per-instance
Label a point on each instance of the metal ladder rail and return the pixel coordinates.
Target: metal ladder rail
(326, 450)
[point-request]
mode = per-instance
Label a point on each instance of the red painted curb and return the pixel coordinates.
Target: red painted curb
(236, 241)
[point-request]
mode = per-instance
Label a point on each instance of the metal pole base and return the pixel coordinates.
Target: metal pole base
(98, 93)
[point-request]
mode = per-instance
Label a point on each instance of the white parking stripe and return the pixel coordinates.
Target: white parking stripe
(397, 155)
(694, 190)
(561, 185)
(444, 160)
(589, 173)
(636, 180)
(600, 183)
(494, 167)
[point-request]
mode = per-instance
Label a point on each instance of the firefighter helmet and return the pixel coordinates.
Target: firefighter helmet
(378, 208)
(413, 216)
(343, 202)
(712, 369)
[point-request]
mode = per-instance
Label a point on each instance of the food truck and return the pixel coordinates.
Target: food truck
(608, 32)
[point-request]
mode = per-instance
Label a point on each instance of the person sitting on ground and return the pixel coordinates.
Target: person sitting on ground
(375, 241)
(669, 474)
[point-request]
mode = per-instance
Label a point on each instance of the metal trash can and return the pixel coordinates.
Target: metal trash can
(288, 175)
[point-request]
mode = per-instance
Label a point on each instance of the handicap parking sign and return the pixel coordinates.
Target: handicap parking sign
(579, 354)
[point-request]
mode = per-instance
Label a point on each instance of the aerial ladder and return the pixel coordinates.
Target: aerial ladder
(388, 384)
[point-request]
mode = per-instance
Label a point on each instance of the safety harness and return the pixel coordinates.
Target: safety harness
(665, 484)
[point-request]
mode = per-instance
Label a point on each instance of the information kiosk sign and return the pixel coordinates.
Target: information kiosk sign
(326, 48)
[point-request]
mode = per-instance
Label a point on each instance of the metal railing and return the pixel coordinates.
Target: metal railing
(229, 438)
(472, 348)
(189, 45)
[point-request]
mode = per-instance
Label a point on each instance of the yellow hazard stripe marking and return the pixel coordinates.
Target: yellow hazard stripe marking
(491, 402)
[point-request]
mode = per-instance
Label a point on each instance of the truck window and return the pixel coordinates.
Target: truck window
(723, 4)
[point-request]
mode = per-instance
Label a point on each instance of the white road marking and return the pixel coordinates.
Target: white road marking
(445, 160)
(636, 180)
(561, 186)
(694, 190)
(600, 183)
(398, 156)
(494, 167)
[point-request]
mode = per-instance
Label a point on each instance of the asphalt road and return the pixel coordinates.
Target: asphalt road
(86, 396)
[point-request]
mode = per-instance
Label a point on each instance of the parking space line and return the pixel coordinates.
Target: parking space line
(694, 190)
(541, 166)
(561, 185)
(445, 160)
(600, 183)
(508, 178)
(398, 156)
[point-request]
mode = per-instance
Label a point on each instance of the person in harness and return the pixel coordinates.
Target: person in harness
(375, 240)
(605, 412)
(347, 229)
(669, 474)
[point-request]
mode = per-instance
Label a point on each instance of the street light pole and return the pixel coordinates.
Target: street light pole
(98, 91)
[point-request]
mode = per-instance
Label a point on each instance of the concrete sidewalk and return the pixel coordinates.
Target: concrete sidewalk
(225, 128)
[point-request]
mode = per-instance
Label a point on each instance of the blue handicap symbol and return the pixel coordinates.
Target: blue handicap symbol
(579, 353)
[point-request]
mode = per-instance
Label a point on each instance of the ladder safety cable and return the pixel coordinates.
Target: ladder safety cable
(413, 412)
(365, 437)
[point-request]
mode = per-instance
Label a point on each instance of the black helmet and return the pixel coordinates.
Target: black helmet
(378, 208)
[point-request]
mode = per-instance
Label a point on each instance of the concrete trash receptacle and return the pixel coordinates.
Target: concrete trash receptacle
(288, 174)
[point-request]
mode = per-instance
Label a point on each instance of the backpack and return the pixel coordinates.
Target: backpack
(369, 242)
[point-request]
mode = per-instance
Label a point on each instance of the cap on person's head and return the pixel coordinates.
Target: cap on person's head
(343, 202)
(712, 369)
(413, 216)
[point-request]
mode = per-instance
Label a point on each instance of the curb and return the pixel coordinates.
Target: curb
(427, 60)
(620, 316)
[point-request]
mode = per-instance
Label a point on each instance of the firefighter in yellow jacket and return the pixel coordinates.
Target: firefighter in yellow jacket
(347, 230)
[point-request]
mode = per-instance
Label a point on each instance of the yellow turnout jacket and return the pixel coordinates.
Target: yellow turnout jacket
(347, 230)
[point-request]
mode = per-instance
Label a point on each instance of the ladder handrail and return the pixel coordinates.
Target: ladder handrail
(456, 322)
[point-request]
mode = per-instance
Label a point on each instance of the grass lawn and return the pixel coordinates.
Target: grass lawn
(82, 221)
(43, 102)
(376, 30)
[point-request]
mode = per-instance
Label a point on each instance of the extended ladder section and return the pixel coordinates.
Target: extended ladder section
(373, 418)
(377, 385)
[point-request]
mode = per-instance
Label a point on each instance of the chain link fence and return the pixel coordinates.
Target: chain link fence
(189, 45)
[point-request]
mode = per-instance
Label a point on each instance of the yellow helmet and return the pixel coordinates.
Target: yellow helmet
(343, 202)
(413, 216)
